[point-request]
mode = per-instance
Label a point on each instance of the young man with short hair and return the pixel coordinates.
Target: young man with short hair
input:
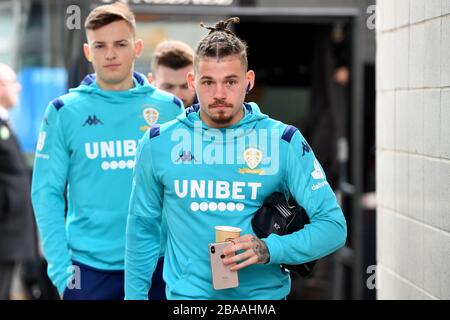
(172, 60)
(88, 141)
(226, 158)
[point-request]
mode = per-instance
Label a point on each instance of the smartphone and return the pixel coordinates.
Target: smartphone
(222, 276)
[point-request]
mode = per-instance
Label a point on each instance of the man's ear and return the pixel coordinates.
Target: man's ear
(138, 47)
(87, 52)
(150, 78)
(190, 77)
(250, 80)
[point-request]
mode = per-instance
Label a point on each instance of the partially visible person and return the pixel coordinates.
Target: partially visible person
(17, 233)
(172, 60)
(88, 141)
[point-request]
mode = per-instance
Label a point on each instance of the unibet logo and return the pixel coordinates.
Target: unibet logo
(112, 149)
(228, 193)
(216, 206)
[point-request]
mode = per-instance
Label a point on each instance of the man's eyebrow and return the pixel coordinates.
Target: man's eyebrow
(232, 76)
(116, 41)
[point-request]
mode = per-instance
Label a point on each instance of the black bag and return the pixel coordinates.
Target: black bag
(277, 216)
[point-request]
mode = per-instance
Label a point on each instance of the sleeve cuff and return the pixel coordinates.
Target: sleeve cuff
(62, 281)
(275, 248)
(61, 287)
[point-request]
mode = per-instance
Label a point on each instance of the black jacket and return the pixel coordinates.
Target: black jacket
(17, 228)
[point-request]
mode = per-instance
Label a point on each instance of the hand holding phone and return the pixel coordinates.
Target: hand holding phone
(222, 276)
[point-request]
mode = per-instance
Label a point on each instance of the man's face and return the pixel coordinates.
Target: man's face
(221, 87)
(9, 88)
(175, 82)
(112, 50)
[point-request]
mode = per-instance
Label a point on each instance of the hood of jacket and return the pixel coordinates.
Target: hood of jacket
(252, 114)
(89, 86)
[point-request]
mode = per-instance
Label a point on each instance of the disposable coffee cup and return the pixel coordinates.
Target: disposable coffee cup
(225, 233)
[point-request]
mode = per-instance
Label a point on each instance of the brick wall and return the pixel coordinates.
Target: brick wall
(413, 149)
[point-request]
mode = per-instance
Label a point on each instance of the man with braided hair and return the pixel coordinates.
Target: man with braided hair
(226, 157)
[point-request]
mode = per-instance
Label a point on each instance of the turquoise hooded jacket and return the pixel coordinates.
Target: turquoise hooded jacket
(205, 177)
(87, 142)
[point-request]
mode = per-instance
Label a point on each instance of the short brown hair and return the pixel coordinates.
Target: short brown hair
(172, 54)
(106, 14)
(221, 42)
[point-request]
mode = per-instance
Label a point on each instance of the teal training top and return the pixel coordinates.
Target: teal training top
(206, 177)
(88, 141)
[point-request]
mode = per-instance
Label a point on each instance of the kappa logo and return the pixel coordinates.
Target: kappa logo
(185, 156)
(306, 148)
(92, 121)
(151, 116)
